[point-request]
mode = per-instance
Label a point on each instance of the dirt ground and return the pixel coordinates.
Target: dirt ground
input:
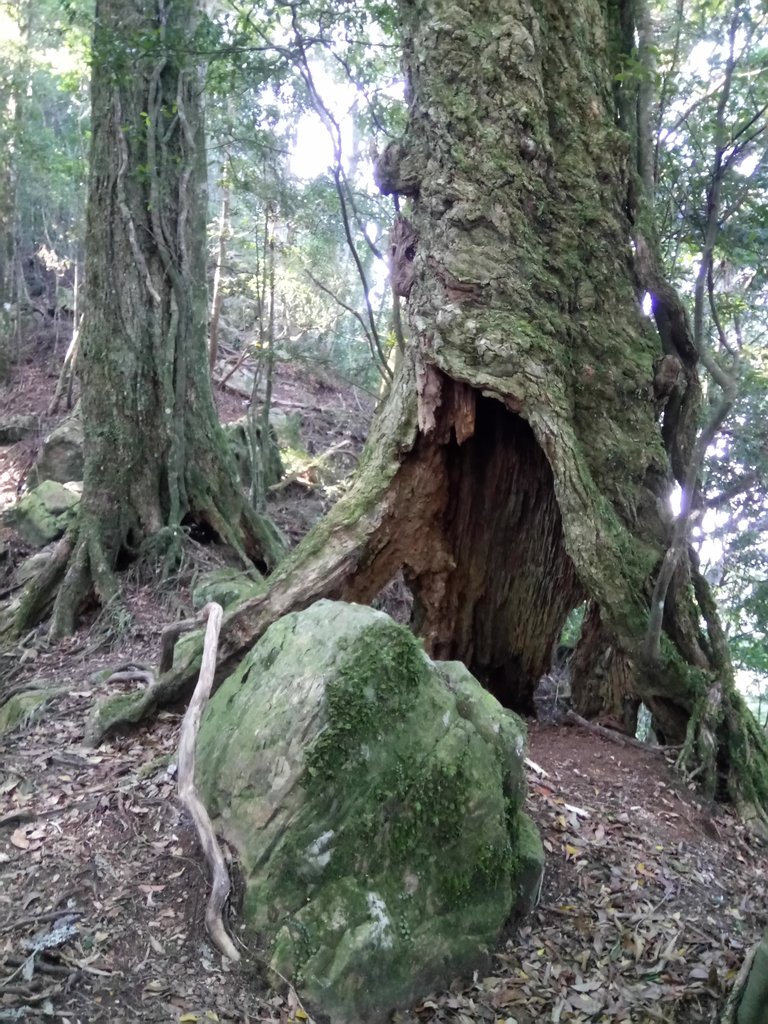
(648, 904)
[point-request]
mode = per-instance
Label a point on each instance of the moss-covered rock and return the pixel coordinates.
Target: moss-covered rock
(374, 797)
(228, 587)
(44, 514)
(61, 455)
(22, 706)
(753, 1008)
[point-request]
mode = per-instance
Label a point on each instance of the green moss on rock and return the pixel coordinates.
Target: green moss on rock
(227, 586)
(44, 514)
(374, 797)
(22, 706)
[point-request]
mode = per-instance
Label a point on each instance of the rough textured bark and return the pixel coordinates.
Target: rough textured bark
(155, 457)
(519, 466)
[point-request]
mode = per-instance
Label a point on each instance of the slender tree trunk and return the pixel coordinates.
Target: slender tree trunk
(12, 285)
(156, 460)
(518, 466)
(218, 295)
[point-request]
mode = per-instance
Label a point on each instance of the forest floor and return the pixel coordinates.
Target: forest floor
(649, 901)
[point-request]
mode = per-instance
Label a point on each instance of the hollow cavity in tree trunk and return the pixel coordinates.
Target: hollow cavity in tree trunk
(508, 583)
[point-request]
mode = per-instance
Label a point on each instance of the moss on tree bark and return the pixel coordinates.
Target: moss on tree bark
(519, 465)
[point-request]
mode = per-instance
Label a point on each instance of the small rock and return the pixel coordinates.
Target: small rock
(61, 455)
(43, 514)
(16, 428)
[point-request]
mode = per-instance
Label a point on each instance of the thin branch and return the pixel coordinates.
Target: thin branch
(737, 135)
(350, 309)
(188, 793)
(743, 195)
(340, 183)
(712, 91)
(715, 315)
(734, 489)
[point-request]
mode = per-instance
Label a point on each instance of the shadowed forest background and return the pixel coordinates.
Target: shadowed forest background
(455, 310)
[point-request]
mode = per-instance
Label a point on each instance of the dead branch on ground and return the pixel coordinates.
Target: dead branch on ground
(188, 792)
(318, 460)
(612, 735)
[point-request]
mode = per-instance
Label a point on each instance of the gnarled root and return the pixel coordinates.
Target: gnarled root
(721, 730)
(78, 567)
(327, 574)
(40, 592)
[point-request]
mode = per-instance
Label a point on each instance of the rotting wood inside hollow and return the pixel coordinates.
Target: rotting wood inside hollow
(476, 529)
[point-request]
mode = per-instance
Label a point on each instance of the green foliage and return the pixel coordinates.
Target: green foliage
(287, 73)
(44, 109)
(712, 133)
(571, 632)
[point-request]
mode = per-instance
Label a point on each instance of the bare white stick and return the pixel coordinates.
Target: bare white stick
(188, 793)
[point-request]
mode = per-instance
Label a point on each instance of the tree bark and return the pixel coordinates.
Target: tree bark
(156, 460)
(518, 467)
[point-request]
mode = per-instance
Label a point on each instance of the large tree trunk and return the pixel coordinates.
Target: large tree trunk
(518, 467)
(156, 460)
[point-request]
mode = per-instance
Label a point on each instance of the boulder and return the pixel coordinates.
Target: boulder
(61, 454)
(22, 706)
(374, 797)
(16, 428)
(753, 1008)
(43, 514)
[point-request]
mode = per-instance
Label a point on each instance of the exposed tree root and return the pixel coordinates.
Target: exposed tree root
(241, 629)
(188, 792)
(130, 675)
(612, 735)
(39, 594)
(78, 567)
(170, 635)
(81, 565)
(726, 754)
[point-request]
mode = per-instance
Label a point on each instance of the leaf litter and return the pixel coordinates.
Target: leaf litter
(648, 904)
